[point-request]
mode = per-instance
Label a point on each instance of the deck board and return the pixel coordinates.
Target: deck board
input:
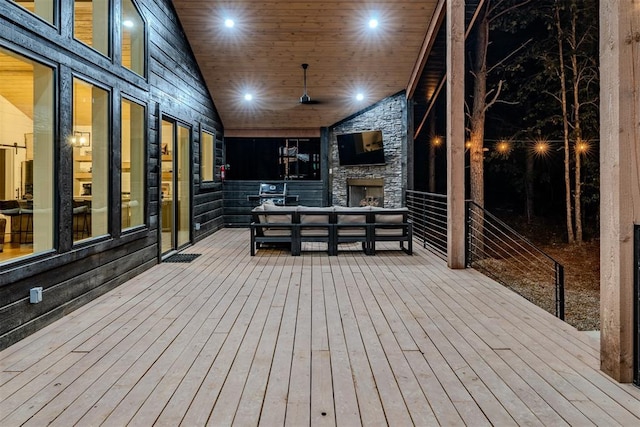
(347, 340)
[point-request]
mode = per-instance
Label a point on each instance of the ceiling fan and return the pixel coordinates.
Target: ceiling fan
(305, 98)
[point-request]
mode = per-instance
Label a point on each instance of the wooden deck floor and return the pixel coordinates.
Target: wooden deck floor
(277, 340)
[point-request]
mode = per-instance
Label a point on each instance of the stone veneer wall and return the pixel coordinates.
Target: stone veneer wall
(389, 116)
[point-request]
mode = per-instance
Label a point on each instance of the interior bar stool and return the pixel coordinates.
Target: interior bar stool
(26, 214)
(80, 210)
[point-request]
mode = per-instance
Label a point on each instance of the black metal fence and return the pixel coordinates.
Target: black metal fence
(493, 248)
(428, 212)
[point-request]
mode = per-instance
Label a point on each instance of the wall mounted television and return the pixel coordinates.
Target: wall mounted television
(361, 148)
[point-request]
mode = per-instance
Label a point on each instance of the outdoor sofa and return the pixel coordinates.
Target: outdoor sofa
(292, 226)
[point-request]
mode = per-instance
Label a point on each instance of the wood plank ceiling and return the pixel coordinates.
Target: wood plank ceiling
(262, 55)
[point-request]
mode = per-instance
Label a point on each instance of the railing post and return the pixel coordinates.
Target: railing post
(467, 234)
(559, 291)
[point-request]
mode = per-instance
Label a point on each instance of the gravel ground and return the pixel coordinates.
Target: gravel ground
(582, 282)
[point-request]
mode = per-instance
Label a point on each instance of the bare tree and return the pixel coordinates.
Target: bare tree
(584, 72)
(483, 99)
(580, 73)
(565, 122)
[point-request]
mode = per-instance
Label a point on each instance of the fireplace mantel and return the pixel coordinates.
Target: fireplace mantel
(366, 182)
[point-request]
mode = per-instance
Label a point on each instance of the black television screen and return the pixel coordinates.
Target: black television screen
(362, 148)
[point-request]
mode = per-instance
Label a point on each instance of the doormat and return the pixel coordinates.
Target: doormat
(181, 258)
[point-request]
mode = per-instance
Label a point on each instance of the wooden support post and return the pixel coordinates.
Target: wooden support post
(619, 180)
(455, 134)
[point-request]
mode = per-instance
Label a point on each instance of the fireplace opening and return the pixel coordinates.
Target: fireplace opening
(365, 192)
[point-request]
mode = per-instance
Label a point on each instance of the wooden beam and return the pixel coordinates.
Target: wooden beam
(455, 134)
(425, 50)
(422, 61)
(273, 133)
(619, 180)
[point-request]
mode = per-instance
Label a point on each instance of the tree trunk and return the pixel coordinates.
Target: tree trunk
(528, 185)
(577, 198)
(476, 137)
(478, 112)
(432, 154)
(565, 121)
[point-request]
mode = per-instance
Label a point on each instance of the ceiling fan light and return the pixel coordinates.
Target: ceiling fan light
(304, 99)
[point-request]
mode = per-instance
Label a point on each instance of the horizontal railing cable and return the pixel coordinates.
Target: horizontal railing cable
(500, 252)
(428, 212)
(509, 241)
(493, 248)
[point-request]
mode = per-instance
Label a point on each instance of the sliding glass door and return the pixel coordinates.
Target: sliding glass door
(175, 186)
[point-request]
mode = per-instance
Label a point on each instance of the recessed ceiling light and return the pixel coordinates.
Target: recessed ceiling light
(360, 97)
(127, 23)
(229, 23)
(248, 97)
(373, 23)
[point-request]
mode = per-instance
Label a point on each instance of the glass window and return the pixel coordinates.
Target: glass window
(90, 142)
(206, 156)
(43, 8)
(91, 23)
(133, 40)
(183, 163)
(273, 158)
(133, 162)
(26, 156)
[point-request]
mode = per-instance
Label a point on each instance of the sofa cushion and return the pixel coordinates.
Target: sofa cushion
(393, 216)
(352, 216)
(271, 214)
(277, 214)
(395, 231)
(319, 215)
(276, 232)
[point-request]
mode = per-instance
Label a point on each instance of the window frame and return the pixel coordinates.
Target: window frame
(118, 24)
(110, 30)
(56, 13)
(145, 224)
(55, 147)
(204, 130)
(110, 163)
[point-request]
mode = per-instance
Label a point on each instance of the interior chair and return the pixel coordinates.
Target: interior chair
(11, 209)
(80, 211)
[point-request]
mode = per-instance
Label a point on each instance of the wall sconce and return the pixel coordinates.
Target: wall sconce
(81, 139)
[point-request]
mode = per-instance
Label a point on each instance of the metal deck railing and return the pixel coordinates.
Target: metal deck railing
(428, 211)
(493, 248)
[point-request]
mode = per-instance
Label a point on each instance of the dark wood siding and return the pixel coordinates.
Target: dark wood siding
(74, 275)
(237, 207)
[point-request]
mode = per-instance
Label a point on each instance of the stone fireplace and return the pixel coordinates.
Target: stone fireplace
(381, 184)
(365, 192)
